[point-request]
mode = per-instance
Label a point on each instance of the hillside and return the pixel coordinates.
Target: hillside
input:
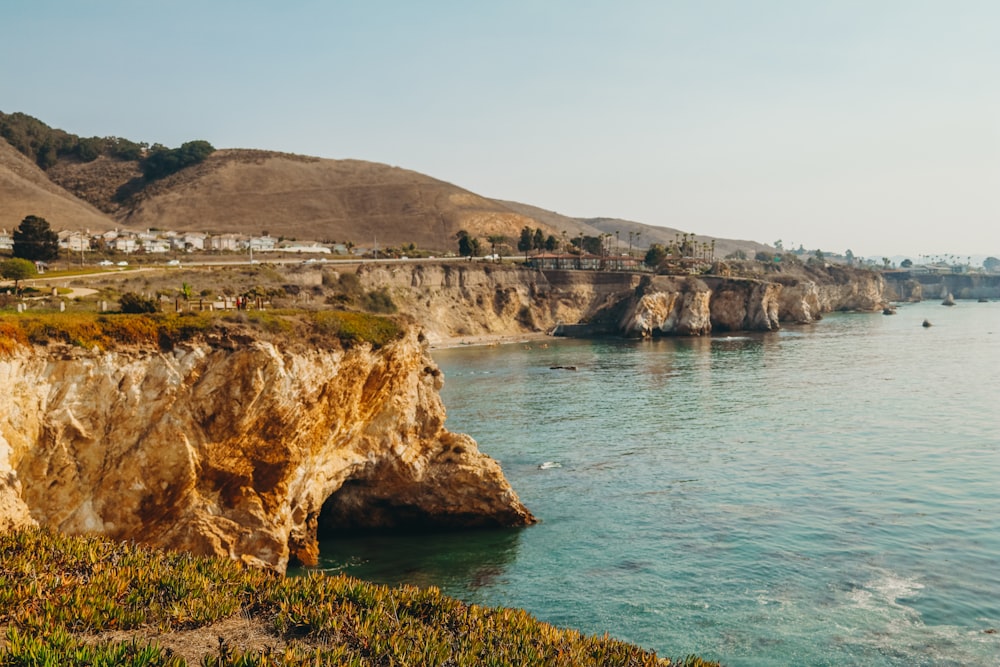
(318, 199)
(643, 235)
(26, 190)
(97, 183)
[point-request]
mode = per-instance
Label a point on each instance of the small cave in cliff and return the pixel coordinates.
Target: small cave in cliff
(367, 507)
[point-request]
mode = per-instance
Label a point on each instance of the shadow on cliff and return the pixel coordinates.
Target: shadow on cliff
(452, 561)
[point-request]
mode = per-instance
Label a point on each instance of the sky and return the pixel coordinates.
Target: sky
(870, 125)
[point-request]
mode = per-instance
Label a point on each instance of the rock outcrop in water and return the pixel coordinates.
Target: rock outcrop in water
(694, 307)
(244, 448)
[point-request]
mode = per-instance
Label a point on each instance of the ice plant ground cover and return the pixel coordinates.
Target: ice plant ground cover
(87, 600)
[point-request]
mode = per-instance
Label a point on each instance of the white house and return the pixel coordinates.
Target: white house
(125, 244)
(232, 242)
(6, 240)
(263, 243)
(305, 247)
(74, 241)
(188, 241)
(156, 246)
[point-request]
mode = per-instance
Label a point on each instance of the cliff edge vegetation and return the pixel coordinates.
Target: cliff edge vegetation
(104, 331)
(92, 601)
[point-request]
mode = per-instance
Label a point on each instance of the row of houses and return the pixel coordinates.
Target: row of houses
(158, 242)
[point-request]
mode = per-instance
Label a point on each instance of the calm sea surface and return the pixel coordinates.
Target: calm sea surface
(825, 495)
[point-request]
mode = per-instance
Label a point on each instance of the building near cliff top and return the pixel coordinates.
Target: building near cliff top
(305, 248)
(551, 261)
(232, 242)
(263, 243)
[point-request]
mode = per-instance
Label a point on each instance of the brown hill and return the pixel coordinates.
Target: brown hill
(291, 196)
(27, 190)
(643, 235)
(297, 197)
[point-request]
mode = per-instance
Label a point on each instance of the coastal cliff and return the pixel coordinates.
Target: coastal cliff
(476, 299)
(238, 446)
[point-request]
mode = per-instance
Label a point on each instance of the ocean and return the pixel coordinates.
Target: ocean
(828, 494)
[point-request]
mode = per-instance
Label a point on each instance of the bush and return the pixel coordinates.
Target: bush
(378, 301)
(357, 327)
(136, 304)
(162, 161)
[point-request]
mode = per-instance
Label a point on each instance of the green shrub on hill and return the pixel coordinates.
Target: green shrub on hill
(131, 302)
(108, 330)
(162, 161)
(45, 145)
(351, 327)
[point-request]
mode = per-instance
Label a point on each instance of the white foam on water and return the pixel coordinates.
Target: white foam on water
(882, 619)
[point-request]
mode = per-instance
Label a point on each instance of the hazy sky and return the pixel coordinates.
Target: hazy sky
(871, 125)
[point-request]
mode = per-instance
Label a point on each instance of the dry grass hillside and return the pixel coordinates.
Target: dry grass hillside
(27, 190)
(292, 196)
(297, 197)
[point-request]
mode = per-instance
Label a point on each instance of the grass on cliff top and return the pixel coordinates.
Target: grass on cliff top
(109, 330)
(91, 601)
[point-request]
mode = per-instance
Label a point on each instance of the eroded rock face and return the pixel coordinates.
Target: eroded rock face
(744, 305)
(668, 305)
(234, 451)
(476, 298)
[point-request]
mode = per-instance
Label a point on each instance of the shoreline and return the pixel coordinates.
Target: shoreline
(488, 340)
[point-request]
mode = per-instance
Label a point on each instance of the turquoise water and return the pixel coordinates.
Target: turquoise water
(824, 495)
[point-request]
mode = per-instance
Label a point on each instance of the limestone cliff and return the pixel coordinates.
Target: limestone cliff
(234, 449)
(454, 300)
(665, 304)
(913, 286)
(476, 298)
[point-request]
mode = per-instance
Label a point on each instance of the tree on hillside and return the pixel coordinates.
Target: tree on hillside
(991, 264)
(162, 161)
(589, 244)
(655, 255)
(468, 246)
(35, 240)
(538, 240)
(551, 243)
(524, 243)
(45, 145)
(17, 269)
